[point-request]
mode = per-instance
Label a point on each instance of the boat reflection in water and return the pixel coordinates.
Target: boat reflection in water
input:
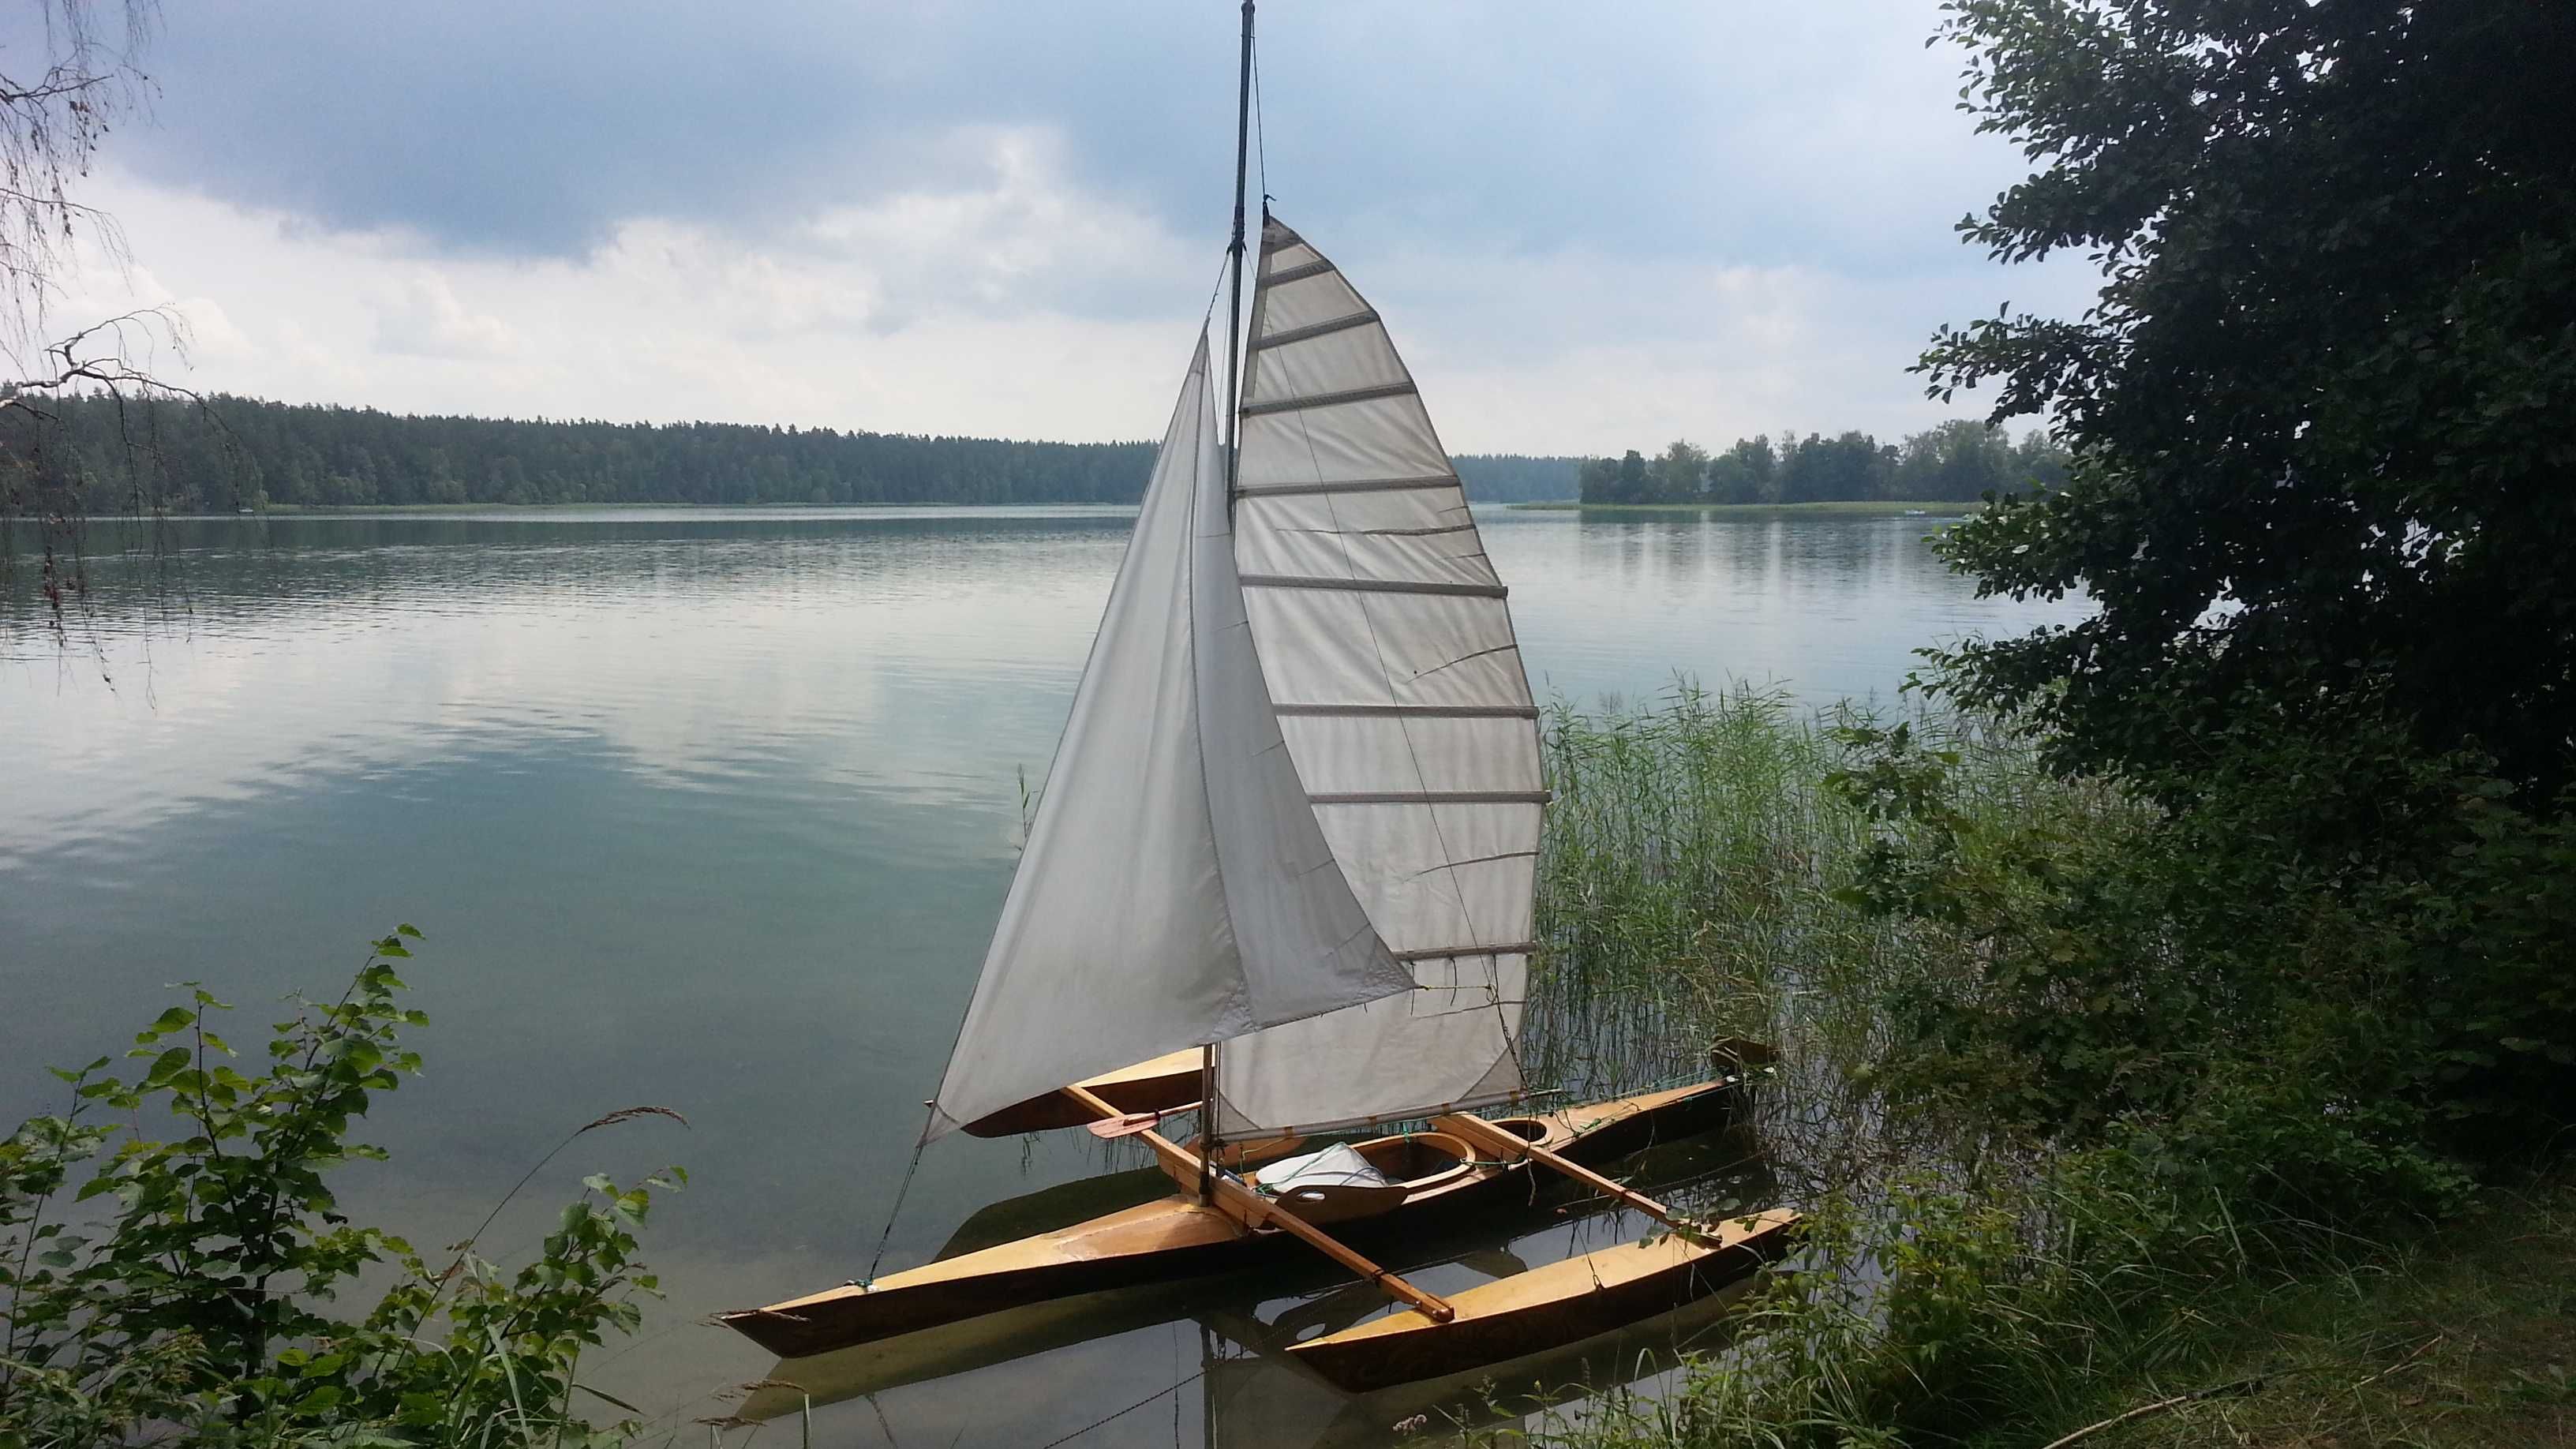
(1216, 1347)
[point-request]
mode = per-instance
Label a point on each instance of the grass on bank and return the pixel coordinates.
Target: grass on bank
(1869, 507)
(2238, 1202)
(2462, 1338)
(2466, 1337)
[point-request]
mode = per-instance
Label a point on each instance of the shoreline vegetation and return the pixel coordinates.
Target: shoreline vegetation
(98, 453)
(1860, 508)
(327, 510)
(1962, 458)
(2075, 1136)
(154, 1287)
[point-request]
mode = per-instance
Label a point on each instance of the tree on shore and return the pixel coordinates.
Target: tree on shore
(2323, 411)
(59, 100)
(2322, 422)
(1957, 462)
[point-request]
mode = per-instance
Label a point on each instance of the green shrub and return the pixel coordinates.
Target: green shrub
(2070, 1078)
(190, 1284)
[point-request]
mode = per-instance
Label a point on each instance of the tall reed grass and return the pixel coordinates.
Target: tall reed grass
(1696, 887)
(1690, 884)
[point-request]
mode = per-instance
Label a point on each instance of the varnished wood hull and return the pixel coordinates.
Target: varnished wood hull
(1160, 1085)
(1178, 1237)
(1564, 1302)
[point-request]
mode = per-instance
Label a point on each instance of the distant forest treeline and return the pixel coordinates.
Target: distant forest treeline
(243, 452)
(1957, 462)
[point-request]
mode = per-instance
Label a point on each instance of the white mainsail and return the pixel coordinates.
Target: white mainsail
(1399, 689)
(1176, 889)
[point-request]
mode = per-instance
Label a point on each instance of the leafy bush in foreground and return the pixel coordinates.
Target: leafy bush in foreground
(185, 1289)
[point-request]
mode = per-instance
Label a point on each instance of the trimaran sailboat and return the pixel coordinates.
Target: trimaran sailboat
(1284, 865)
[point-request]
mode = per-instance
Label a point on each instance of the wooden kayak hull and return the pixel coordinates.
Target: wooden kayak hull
(1160, 1085)
(1177, 1236)
(1549, 1307)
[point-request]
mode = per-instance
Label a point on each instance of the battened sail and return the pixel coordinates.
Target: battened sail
(1176, 889)
(1399, 689)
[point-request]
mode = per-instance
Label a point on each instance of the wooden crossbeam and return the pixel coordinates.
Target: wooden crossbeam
(1511, 1145)
(1229, 1196)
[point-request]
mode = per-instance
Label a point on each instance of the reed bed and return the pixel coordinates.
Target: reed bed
(1689, 888)
(1695, 889)
(1964, 1281)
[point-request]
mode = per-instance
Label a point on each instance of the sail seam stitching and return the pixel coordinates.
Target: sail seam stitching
(1297, 273)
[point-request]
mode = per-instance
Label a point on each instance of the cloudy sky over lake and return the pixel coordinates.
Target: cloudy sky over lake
(1590, 226)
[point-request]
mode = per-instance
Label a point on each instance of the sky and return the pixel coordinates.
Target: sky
(1590, 226)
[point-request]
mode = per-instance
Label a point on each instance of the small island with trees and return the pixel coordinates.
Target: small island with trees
(1957, 462)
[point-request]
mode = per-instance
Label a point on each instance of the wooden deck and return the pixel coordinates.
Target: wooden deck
(1156, 1086)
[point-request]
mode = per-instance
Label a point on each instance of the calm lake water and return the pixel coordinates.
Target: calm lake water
(714, 811)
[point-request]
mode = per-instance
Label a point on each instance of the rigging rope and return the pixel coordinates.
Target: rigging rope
(1260, 142)
(929, 1111)
(1122, 1413)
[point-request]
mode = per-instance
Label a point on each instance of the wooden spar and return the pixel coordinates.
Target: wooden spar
(1107, 1129)
(1486, 1134)
(1229, 1196)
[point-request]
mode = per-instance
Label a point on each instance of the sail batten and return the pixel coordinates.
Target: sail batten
(1408, 711)
(1352, 485)
(1361, 318)
(1343, 398)
(1387, 643)
(1379, 586)
(1430, 797)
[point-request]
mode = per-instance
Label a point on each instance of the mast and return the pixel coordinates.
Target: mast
(1234, 249)
(1233, 450)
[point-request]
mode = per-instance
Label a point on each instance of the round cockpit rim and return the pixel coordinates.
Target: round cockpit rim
(1417, 1159)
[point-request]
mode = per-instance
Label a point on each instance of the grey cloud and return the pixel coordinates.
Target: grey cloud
(1764, 133)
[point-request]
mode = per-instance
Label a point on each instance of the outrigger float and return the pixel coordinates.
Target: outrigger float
(1284, 866)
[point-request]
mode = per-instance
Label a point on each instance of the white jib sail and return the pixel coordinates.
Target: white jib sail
(1176, 889)
(1399, 688)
